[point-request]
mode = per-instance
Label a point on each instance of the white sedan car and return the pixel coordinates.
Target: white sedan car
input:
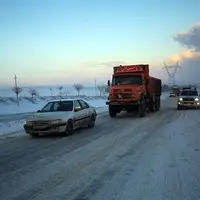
(61, 116)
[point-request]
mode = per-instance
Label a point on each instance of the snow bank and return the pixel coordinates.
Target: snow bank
(12, 127)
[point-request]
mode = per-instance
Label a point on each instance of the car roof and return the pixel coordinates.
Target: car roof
(59, 100)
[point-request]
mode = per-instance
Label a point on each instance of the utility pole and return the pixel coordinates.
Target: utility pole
(51, 92)
(16, 89)
(95, 86)
(15, 77)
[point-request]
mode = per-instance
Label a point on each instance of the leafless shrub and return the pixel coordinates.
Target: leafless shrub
(78, 88)
(17, 90)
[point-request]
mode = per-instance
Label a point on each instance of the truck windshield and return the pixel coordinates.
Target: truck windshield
(189, 93)
(127, 80)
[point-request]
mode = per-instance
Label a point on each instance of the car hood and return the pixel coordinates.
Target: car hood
(51, 115)
(189, 97)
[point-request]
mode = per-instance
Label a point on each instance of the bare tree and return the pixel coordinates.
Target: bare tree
(17, 90)
(60, 88)
(106, 89)
(78, 88)
(33, 92)
(101, 89)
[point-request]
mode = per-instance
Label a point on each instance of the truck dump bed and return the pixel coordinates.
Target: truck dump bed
(155, 86)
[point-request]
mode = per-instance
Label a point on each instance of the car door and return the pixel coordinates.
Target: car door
(78, 115)
(86, 111)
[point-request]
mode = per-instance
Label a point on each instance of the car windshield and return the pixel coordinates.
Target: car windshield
(127, 80)
(189, 93)
(58, 106)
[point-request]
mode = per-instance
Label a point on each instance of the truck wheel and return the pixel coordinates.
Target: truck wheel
(112, 112)
(152, 105)
(157, 106)
(142, 109)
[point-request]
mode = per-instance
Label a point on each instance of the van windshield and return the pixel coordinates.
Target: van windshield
(127, 80)
(189, 93)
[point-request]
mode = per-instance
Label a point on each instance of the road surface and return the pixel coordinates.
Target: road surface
(126, 158)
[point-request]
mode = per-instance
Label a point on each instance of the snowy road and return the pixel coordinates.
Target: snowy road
(126, 158)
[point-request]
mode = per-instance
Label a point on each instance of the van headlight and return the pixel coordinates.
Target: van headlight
(196, 99)
(180, 99)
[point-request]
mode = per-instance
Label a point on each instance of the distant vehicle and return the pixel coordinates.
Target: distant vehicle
(172, 94)
(61, 116)
(176, 91)
(133, 89)
(188, 99)
(189, 88)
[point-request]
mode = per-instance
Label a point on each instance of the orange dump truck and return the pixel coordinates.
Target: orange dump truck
(133, 89)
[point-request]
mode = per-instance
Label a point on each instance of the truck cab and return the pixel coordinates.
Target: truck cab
(131, 89)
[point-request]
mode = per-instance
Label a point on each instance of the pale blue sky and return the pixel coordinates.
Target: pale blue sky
(61, 41)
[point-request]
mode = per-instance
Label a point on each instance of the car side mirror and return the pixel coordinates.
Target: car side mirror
(38, 111)
(76, 109)
(108, 83)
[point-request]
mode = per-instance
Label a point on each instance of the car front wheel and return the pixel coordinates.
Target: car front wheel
(92, 121)
(69, 129)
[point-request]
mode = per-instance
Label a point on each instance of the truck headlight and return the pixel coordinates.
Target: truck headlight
(180, 99)
(29, 123)
(196, 99)
(57, 121)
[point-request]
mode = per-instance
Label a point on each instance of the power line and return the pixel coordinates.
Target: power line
(172, 71)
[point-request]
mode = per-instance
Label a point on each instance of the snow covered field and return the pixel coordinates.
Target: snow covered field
(13, 116)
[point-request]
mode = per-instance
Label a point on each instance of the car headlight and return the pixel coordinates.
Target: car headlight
(28, 123)
(196, 99)
(57, 121)
(180, 99)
